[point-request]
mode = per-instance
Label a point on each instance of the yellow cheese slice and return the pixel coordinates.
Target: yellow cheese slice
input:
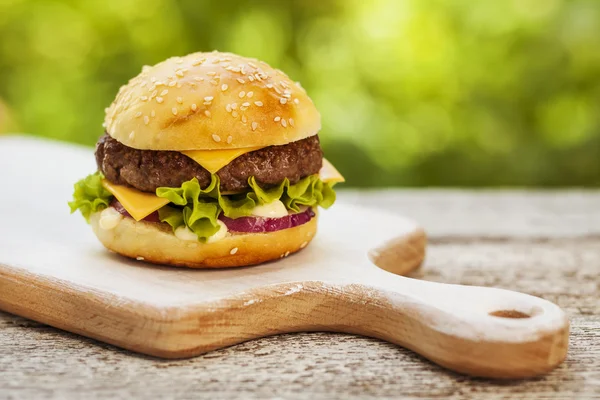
(328, 173)
(138, 204)
(214, 160)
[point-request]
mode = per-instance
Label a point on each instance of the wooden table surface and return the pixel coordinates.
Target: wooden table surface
(542, 243)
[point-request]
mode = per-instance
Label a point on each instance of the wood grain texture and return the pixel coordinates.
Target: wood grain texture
(41, 362)
(537, 254)
(68, 281)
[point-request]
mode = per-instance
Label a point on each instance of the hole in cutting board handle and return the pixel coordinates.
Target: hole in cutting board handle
(509, 314)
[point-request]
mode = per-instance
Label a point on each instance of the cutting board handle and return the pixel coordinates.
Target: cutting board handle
(475, 330)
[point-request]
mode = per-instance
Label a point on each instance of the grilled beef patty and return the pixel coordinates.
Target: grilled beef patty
(147, 170)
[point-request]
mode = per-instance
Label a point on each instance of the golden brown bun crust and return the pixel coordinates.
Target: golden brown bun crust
(157, 244)
(206, 101)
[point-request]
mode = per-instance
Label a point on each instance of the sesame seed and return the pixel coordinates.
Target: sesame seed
(198, 78)
(269, 85)
(259, 103)
(164, 92)
(224, 87)
(242, 108)
(229, 139)
(153, 113)
(194, 107)
(252, 64)
(159, 83)
(277, 119)
(159, 100)
(296, 101)
(228, 107)
(140, 258)
(144, 84)
(254, 126)
(277, 90)
(251, 78)
(192, 84)
(153, 79)
(246, 104)
(283, 100)
(234, 114)
(244, 119)
(174, 110)
(153, 94)
(197, 62)
(172, 83)
(233, 251)
(144, 98)
(138, 114)
(207, 113)
(233, 106)
(240, 80)
(291, 121)
(249, 94)
(214, 82)
(211, 73)
(179, 84)
(208, 98)
(287, 253)
(284, 123)
(146, 120)
(179, 73)
(216, 137)
(180, 100)
(242, 94)
(303, 245)
(131, 135)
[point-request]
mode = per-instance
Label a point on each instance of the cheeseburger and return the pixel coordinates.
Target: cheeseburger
(208, 160)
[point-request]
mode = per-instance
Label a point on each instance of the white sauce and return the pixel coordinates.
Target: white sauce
(220, 234)
(184, 233)
(275, 209)
(109, 218)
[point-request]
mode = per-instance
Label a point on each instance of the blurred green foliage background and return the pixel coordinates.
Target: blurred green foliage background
(412, 92)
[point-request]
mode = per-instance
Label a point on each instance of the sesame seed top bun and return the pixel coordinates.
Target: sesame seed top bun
(206, 101)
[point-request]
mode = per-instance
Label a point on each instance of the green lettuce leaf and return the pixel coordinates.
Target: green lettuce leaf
(199, 208)
(199, 211)
(90, 196)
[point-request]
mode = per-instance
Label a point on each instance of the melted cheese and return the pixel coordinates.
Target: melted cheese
(214, 160)
(138, 204)
(328, 173)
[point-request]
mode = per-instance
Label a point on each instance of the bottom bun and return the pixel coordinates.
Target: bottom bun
(156, 243)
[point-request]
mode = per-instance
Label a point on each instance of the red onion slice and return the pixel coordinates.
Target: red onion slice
(243, 224)
(261, 224)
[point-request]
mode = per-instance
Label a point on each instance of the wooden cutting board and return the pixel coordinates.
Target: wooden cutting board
(53, 270)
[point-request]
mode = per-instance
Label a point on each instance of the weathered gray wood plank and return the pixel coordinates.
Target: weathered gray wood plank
(475, 240)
